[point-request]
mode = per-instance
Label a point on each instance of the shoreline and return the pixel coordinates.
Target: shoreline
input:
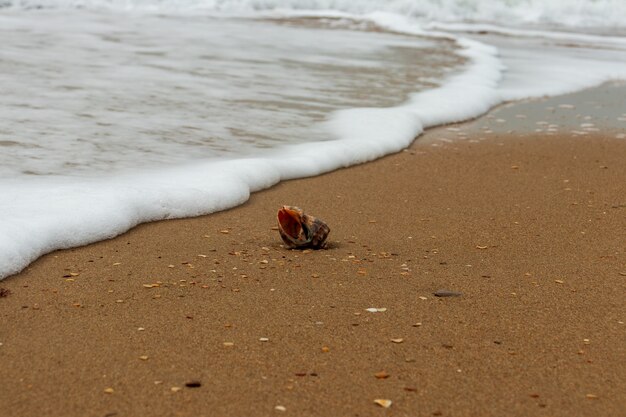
(528, 230)
(491, 122)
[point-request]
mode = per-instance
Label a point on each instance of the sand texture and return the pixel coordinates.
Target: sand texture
(530, 229)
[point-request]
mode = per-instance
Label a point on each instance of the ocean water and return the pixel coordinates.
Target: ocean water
(115, 112)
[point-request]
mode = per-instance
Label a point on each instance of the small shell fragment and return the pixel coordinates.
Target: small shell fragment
(383, 403)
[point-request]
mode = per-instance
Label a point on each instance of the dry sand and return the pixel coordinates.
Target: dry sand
(530, 231)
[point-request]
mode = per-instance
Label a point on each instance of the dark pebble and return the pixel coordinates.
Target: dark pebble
(193, 384)
(447, 293)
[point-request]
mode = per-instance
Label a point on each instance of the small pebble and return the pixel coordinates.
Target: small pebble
(280, 408)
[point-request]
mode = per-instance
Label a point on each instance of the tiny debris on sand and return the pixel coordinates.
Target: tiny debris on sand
(447, 293)
(4, 292)
(383, 403)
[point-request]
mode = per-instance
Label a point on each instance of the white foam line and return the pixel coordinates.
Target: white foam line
(39, 218)
(528, 33)
(43, 219)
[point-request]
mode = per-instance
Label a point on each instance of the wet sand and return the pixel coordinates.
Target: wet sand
(528, 226)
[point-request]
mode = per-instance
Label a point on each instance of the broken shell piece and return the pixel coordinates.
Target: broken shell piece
(299, 230)
(383, 403)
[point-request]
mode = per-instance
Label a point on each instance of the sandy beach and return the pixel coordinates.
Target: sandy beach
(211, 316)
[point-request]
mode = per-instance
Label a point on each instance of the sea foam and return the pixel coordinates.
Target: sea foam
(42, 214)
(566, 13)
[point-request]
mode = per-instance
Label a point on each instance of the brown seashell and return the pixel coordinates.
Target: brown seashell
(300, 230)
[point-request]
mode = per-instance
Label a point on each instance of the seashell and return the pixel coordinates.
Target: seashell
(299, 230)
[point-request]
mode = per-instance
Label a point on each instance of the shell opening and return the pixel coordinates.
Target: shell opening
(290, 222)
